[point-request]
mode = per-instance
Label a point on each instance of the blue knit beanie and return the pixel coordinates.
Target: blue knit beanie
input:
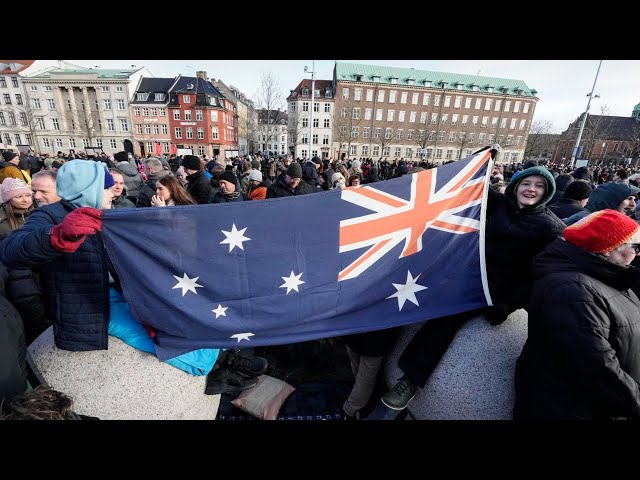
(82, 183)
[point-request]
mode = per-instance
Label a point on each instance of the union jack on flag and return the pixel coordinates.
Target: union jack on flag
(397, 220)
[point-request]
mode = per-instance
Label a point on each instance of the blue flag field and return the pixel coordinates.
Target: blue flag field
(289, 270)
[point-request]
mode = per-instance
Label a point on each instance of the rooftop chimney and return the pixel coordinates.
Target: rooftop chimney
(201, 74)
(60, 64)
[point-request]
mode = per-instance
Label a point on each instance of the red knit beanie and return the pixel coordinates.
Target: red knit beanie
(601, 231)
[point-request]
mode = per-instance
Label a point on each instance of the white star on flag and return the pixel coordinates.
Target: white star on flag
(407, 291)
(220, 311)
(292, 282)
(242, 336)
(187, 284)
(235, 237)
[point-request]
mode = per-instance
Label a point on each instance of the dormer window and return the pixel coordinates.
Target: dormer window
(489, 89)
(444, 84)
(190, 86)
(142, 97)
(159, 97)
(411, 81)
(394, 80)
(212, 101)
(376, 78)
(317, 92)
(475, 87)
(459, 85)
(327, 93)
(427, 83)
(305, 92)
(186, 99)
(358, 77)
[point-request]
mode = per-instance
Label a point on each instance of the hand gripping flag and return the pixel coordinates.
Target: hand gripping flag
(294, 269)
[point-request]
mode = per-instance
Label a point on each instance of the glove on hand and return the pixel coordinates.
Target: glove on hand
(71, 232)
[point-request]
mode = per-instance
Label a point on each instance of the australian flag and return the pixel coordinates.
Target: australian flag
(294, 269)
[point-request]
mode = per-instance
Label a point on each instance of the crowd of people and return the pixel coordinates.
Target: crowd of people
(562, 244)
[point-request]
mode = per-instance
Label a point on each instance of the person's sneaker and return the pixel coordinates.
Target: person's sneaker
(247, 366)
(223, 380)
(400, 395)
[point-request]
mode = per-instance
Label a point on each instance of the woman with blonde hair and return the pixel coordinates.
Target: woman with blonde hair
(170, 192)
(17, 205)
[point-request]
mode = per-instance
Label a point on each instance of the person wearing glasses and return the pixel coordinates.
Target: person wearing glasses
(581, 359)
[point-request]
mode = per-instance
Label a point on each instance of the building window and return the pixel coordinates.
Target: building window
(369, 94)
(305, 122)
(18, 99)
(472, 138)
(201, 150)
(516, 107)
(325, 139)
(189, 132)
(14, 81)
(452, 137)
(497, 106)
(481, 137)
(305, 92)
(377, 132)
(316, 106)
(139, 129)
(447, 101)
(398, 151)
(46, 143)
(394, 80)
(163, 112)
(507, 105)
(316, 122)
(494, 122)
(120, 104)
(119, 88)
(366, 131)
(365, 150)
(112, 143)
(388, 133)
(404, 97)
(487, 104)
(401, 116)
(7, 99)
(357, 94)
(379, 114)
(385, 151)
(523, 122)
(441, 136)
(410, 135)
(327, 108)
(107, 104)
(345, 93)
(214, 133)
(3, 84)
(525, 107)
(485, 120)
(147, 129)
(392, 96)
(178, 132)
(23, 119)
(199, 115)
(380, 95)
(399, 134)
(59, 142)
(315, 138)
(390, 115)
(444, 119)
(327, 123)
(436, 101)
(187, 114)
(513, 124)
(186, 99)
(356, 113)
(478, 103)
(376, 150)
(124, 125)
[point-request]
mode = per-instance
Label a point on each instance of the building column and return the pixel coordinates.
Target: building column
(87, 110)
(62, 106)
(74, 108)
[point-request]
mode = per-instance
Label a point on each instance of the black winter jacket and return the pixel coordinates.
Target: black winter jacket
(582, 356)
(75, 285)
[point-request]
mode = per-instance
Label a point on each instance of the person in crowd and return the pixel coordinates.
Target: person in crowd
(310, 171)
(611, 195)
(289, 183)
(40, 403)
(356, 170)
(372, 175)
(258, 190)
(22, 285)
(132, 180)
(43, 186)
(13, 349)
(354, 181)
(17, 205)
(10, 167)
(154, 171)
(580, 360)
(182, 176)
(621, 176)
(199, 186)
(118, 189)
(327, 174)
(574, 200)
(338, 181)
(229, 191)
(170, 192)
(562, 182)
(518, 227)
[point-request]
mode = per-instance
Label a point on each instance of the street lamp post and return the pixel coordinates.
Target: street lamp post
(584, 118)
(313, 91)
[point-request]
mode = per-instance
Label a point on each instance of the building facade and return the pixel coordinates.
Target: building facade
(605, 140)
(273, 132)
(14, 128)
(201, 118)
(150, 116)
(73, 107)
(304, 141)
(385, 112)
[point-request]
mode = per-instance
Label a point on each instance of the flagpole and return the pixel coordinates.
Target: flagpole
(584, 119)
(313, 91)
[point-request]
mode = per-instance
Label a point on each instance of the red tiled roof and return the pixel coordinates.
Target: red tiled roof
(21, 64)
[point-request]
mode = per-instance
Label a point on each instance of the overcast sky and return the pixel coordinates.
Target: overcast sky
(562, 85)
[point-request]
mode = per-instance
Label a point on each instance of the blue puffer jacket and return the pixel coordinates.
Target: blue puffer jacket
(75, 285)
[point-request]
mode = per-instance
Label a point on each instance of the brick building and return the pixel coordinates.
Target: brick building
(386, 112)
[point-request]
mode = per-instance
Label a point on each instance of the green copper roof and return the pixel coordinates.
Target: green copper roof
(349, 72)
(101, 72)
